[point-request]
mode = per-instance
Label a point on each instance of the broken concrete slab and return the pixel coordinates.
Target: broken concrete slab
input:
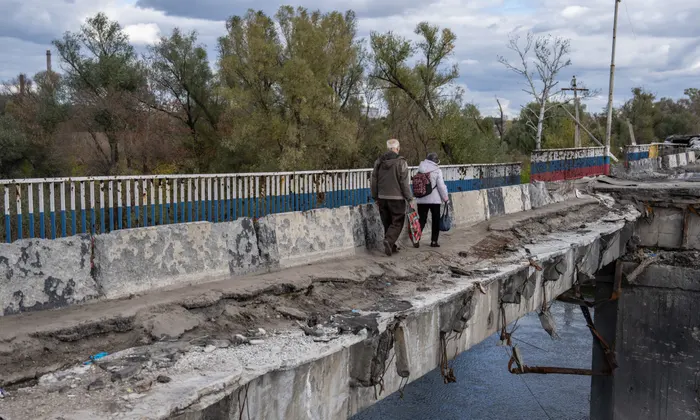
(168, 324)
(39, 274)
(539, 194)
(291, 312)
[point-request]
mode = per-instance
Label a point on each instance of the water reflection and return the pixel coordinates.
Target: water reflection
(485, 390)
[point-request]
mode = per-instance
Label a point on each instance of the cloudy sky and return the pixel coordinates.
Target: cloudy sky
(658, 40)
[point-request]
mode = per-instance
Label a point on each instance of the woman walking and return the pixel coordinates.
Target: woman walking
(430, 172)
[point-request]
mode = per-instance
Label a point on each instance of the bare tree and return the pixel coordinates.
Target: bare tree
(500, 125)
(550, 57)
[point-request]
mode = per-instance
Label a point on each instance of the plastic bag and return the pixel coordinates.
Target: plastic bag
(414, 231)
(446, 219)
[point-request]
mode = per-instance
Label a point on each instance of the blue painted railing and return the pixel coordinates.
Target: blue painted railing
(104, 204)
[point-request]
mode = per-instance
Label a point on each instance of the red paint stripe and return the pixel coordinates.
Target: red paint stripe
(571, 174)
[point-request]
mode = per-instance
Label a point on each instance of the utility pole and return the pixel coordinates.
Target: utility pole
(577, 134)
(608, 133)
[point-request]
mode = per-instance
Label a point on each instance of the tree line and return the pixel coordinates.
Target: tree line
(295, 91)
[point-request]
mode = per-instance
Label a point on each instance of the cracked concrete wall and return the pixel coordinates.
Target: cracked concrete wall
(38, 274)
(137, 260)
(291, 239)
(663, 230)
(657, 345)
(315, 391)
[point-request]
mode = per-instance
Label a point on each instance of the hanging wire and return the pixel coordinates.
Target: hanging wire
(534, 397)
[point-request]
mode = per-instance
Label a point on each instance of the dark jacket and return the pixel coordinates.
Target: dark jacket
(390, 178)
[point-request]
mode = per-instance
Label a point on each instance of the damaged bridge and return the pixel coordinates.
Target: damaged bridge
(300, 315)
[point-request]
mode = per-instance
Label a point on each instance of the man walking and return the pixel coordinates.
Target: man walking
(390, 190)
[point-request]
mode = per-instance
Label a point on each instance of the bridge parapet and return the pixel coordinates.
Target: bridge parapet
(563, 164)
(60, 207)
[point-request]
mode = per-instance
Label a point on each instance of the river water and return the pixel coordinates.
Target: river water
(485, 390)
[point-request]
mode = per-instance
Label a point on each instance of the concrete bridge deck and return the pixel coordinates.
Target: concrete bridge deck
(370, 324)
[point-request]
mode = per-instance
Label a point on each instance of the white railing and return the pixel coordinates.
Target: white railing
(60, 207)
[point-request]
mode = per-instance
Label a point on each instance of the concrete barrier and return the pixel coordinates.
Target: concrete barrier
(37, 274)
(477, 177)
(45, 274)
(669, 162)
(469, 207)
(291, 239)
(136, 260)
(562, 164)
(637, 152)
(539, 195)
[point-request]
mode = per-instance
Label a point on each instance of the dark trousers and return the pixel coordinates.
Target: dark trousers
(393, 214)
(434, 210)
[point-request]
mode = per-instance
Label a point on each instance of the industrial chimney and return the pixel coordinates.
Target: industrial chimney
(22, 84)
(48, 61)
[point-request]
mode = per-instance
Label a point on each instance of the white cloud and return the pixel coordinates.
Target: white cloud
(658, 40)
(571, 12)
(143, 33)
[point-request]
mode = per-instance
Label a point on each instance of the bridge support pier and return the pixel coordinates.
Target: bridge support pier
(655, 328)
(605, 319)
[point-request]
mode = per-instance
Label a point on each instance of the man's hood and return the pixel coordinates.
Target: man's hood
(427, 166)
(389, 159)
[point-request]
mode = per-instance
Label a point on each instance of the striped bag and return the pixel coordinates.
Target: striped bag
(414, 232)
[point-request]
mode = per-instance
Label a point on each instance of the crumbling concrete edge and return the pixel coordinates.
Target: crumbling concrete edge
(333, 396)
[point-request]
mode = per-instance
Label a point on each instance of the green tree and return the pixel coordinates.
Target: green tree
(290, 95)
(420, 97)
(642, 112)
(102, 76)
(184, 88)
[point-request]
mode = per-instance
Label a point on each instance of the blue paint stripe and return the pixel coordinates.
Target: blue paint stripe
(74, 222)
(175, 212)
(102, 220)
(189, 211)
(93, 221)
(120, 214)
(161, 213)
(137, 215)
(31, 225)
(111, 219)
(153, 214)
(42, 226)
(19, 226)
(568, 164)
(63, 224)
(52, 217)
(637, 156)
(8, 232)
(83, 218)
(128, 217)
